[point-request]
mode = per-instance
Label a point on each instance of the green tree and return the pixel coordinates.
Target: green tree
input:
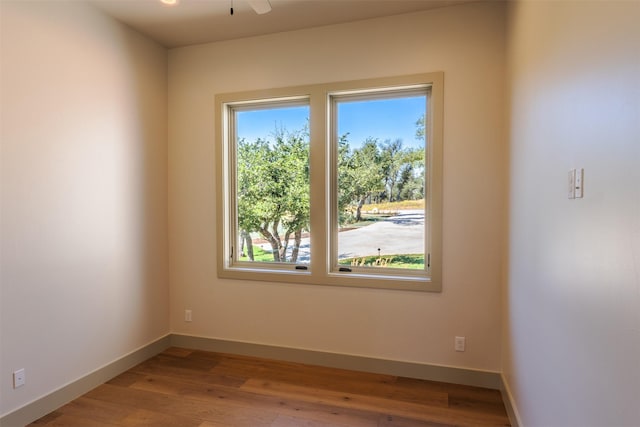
(273, 191)
(359, 175)
(393, 158)
(420, 128)
(345, 191)
(411, 182)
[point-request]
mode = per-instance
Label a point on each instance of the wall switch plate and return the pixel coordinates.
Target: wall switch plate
(579, 179)
(576, 178)
(572, 184)
(187, 315)
(19, 378)
(460, 343)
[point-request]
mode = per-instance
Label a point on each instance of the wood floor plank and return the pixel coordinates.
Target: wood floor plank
(126, 379)
(47, 419)
(192, 388)
(143, 417)
(477, 406)
(287, 421)
(379, 385)
(383, 386)
(177, 405)
(194, 364)
(453, 390)
(206, 376)
(251, 366)
(72, 421)
(340, 399)
(395, 421)
(99, 411)
(466, 398)
(240, 399)
(432, 413)
(178, 352)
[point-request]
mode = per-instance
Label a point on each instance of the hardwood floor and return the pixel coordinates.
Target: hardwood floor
(185, 388)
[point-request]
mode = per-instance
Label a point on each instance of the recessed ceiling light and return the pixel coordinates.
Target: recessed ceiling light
(170, 2)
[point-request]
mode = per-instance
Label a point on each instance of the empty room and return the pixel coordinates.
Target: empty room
(320, 212)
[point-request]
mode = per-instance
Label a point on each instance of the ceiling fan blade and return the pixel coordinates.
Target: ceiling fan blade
(260, 6)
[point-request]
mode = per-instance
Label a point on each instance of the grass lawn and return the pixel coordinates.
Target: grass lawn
(259, 255)
(397, 261)
(366, 220)
(414, 261)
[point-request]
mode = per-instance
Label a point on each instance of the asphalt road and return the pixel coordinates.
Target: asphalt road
(400, 234)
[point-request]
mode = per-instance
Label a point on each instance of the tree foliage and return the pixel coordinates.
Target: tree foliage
(273, 190)
(375, 172)
(420, 128)
(359, 174)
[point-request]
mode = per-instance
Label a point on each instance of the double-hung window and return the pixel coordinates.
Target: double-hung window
(335, 184)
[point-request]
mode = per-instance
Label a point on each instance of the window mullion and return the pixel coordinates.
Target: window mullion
(318, 177)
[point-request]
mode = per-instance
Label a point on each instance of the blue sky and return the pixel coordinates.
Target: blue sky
(256, 124)
(384, 119)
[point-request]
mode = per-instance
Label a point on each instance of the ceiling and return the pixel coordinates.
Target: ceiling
(201, 21)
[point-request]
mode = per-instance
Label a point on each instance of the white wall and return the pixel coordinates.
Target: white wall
(84, 194)
(467, 43)
(572, 320)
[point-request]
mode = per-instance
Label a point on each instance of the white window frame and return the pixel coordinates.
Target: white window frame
(321, 270)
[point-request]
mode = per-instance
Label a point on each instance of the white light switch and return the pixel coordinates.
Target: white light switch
(460, 343)
(579, 181)
(572, 184)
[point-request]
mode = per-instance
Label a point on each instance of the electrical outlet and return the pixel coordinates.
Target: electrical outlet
(187, 315)
(460, 343)
(19, 378)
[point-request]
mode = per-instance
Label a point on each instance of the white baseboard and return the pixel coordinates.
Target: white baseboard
(52, 401)
(486, 379)
(509, 403)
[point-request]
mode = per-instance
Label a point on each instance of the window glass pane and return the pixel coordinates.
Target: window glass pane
(381, 181)
(272, 187)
